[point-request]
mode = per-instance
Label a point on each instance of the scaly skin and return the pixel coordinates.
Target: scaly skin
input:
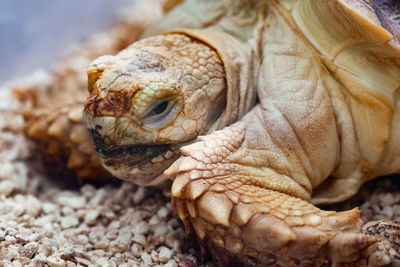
(257, 215)
(142, 106)
(319, 130)
(53, 117)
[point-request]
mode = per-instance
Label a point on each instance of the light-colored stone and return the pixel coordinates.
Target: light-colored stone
(171, 263)
(154, 256)
(141, 228)
(139, 195)
(102, 244)
(139, 239)
(73, 201)
(6, 187)
(103, 261)
(49, 207)
(123, 240)
(163, 212)
(70, 264)
(388, 211)
(160, 230)
(386, 199)
(11, 208)
(146, 258)
(164, 254)
(54, 261)
(83, 239)
(32, 205)
(91, 216)
(68, 222)
(29, 249)
(136, 249)
(16, 264)
(12, 252)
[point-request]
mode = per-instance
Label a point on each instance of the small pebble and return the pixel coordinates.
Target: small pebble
(72, 201)
(11, 208)
(91, 217)
(163, 212)
(102, 244)
(136, 250)
(54, 261)
(154, 256)
(32, 205)
(146, 258)
(171, 263)
(139, 195)
(49, 207)
(109, 225)
(387, 199)
(141, 228)
(68, 222)
(139, 239)
(165, 254)
(29, 249)
(388, 212)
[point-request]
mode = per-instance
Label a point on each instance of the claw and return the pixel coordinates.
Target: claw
(173, 169)
(196, 189)
(265, 233)
(346, 246)
(179, 183)
(215, 208)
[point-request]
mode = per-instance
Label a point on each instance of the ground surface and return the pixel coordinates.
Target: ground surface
(46, 221)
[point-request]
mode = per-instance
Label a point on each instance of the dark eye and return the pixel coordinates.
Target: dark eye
(160, 112)
(160, 108)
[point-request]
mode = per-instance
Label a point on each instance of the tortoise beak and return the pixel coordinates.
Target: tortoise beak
(111, 152)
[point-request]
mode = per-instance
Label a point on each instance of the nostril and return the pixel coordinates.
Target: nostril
(103, 125)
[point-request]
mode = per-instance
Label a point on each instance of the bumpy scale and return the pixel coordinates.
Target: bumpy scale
(299, 104)
(53, 117)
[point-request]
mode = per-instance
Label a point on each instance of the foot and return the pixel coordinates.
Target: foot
(257, 216)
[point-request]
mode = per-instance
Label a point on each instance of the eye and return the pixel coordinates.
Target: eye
(160, 108)
(160, 112)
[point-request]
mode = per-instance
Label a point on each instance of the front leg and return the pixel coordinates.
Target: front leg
(247, 212)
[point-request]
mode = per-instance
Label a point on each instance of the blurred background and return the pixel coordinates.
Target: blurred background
(34, 34)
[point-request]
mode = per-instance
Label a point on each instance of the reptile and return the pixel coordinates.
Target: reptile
(259, 110)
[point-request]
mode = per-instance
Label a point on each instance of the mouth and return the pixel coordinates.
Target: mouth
(132, 155)
(138, 154)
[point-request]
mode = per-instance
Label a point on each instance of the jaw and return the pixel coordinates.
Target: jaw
(141, 164)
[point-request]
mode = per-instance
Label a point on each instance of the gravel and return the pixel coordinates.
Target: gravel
(46, 222)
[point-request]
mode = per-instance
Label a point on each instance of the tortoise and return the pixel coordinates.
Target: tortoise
(293, 103)
(259, 110)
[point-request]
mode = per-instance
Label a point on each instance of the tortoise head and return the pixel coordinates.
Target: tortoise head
(148, 100)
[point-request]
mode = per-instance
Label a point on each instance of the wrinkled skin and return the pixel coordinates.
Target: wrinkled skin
(325, 74)
(149, 100)
(54, 101)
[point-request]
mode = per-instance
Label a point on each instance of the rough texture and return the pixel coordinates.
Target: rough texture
(43, 222)
(150, 233)
(173, 102)
(326, 120)
(54, 100)
(326, 75)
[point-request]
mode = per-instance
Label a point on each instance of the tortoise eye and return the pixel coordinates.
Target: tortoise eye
(160, 112)
(160, 108)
